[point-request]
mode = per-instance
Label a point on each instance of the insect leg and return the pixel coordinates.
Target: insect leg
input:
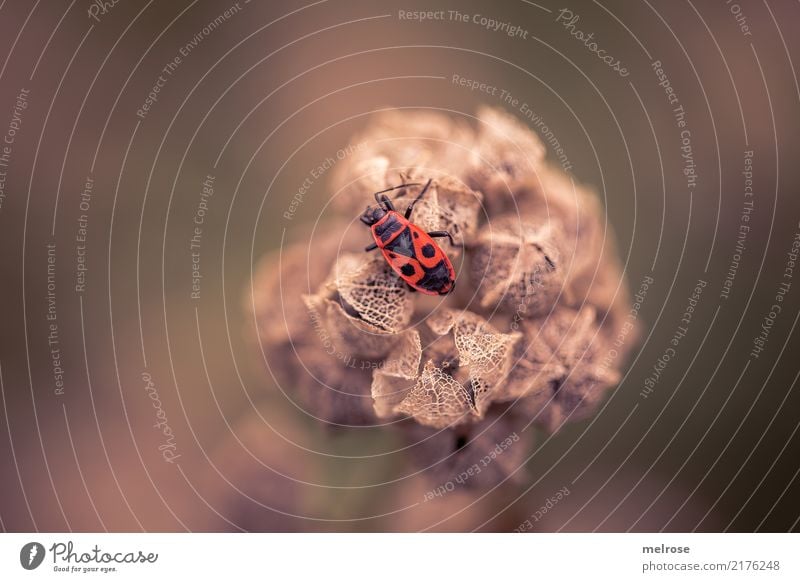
(371, 247)
(410, 208)
(442, 234)
(398, 187)
(385, 199)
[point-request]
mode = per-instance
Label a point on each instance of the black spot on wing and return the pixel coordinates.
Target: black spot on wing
(428, 251)
(435, 278)
(407, 270)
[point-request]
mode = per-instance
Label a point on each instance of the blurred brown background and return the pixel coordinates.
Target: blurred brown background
(261, 97)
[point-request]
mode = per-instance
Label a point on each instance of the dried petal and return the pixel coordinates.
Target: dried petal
(505, 155)
(463, 365)
(392, 381)
(345, 335)
(486, 353)
(401, 147)
(517, 267)
(437, 399)
(280, 279)
(564, 371)
(331, 387)
(458, 210)
(371, 291)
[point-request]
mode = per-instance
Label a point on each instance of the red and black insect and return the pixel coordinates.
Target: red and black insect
(408, 249)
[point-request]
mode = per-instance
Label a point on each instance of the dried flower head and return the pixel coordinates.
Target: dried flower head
(525, 337)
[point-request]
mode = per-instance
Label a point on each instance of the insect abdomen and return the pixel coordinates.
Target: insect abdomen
(430, 273)
(438, 279)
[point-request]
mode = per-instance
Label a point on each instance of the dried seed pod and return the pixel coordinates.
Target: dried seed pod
(590, 265)
(392, 380)
(607, 291)
(462, 365)
(459, 210)
(363, 306)
(506, 153)
(554, 197)
(321, 356)
(279, 281)
(516, 266)
(333, 387)
(345, 335)
(437, 399)
(369, 290)
(484, 351)
(564, 370)
(398, 147)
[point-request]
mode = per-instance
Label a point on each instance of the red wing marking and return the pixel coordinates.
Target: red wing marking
(428, 253)
(407, 267)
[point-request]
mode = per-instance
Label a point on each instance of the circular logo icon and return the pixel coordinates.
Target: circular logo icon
(31, 555)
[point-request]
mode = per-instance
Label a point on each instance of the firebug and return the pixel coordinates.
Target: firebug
(409, 250)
